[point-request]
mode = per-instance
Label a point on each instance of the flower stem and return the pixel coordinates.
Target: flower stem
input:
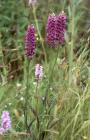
(71, 45)
(37, 96)
(26, 94)
(36, 22)
(51, 74)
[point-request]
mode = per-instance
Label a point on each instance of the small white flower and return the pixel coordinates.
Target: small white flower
(43, 98)
(21, 98)
(34, 83)
(51, 88)
(18, 85)
(10, 104)
(23, 115)
(5, 106)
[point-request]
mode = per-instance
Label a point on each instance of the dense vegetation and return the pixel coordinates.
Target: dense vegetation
(58, 106)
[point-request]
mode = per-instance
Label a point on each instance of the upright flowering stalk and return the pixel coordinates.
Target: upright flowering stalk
(5, 122)
(30, 41)
(51, 30)
(30, 44)
(38, 76)
(38, 72)
(55, 31)
(61, 27)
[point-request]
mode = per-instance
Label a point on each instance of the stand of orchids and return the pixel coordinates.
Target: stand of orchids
(55, 37)
(44, 78)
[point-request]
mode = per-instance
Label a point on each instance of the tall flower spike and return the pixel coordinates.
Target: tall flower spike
(55, 29)
(38, 72)
(30, 41)
(50, 30)
(61, 27)
(5, 122)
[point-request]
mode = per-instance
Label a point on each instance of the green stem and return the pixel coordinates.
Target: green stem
(71, 46)
(40, 36)
(37, 96)
(37, 105)
(3, 64)
(51, 74)
(26, 94)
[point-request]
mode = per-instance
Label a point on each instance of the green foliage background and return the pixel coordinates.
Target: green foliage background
(67, 116)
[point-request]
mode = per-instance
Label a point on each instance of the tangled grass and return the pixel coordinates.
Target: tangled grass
(58, 106)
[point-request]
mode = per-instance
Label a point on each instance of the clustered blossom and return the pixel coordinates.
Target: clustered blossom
(5, 122)
(32, 2)
(30, 41)
(50, 29)
(38, 72)
(55, 29)
(60, 27)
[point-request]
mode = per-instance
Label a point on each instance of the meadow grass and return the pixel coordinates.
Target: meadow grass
(57, 107)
